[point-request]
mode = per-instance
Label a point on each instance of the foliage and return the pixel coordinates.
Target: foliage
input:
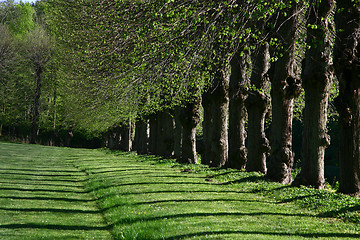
(28, 47)
(130, 59)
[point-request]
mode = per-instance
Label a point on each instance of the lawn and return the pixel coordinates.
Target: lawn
(61, 193)
(43, 196)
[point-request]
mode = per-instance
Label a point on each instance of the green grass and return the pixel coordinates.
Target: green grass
(43, 196)
(144, 197)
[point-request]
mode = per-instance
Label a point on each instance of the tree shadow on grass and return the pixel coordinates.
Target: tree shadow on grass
(186, 201)
(112, 170)
(205, 214)
(48, 199)
(40, 184)
(48, 180)
(54, 226)
(254, 179)
(149, 183)
(305, 235)
(80, 174)
(38, 170)
(55, 210)
(340, 211)
(107, 196)
(43, 190)
(143, 172)
(224, 174)
(297, 198)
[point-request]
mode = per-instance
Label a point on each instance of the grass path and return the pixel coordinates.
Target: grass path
(48, 193)
(43, 196)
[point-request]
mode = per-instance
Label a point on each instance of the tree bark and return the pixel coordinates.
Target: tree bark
(126, 136)
(115, 138)
(207, 131)
(347, 69)
(285, 87)
(153, 138)
(257, 105)
(216, 104)
(190, 118)
(36, 107)
(165, 143)
(142, 136)
(317, 77)
(178, 134)
(237, 111)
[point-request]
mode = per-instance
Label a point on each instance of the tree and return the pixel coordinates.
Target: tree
(19, 19)
(317, 77)
(7, 49)
(165, 134)
(178, 133)
(38, 50)
(142, 136)
(285, 86)
(237, 111)
(257, 104)
(189, 119)
(7, 62)
(347, 69)
(216, 103)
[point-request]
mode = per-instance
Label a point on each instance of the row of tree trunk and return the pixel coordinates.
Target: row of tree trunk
(240, 91)
(119, 137)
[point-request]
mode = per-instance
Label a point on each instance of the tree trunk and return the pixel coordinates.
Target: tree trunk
(207, 131)
(115, 138)
(190, 118)
(126, 136)
(178, 133)
(317, 78)
(216, 104)
(285, 87)
(237, 111)
(165, 144)
(36, 107)
(347, 69)
(257, 105)
(142, 137)
(153, 138)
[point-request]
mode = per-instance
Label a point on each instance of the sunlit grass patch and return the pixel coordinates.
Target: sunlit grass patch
(146, 197)
(43, 196)
(62, 194)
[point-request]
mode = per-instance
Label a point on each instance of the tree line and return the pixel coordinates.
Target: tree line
(144, 74)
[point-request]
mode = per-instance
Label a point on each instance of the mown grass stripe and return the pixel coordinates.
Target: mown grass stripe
(144, 197)
(43, 196)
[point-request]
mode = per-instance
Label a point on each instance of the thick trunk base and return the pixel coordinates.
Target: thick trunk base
(142, 137)
(216, 104)
(237, 111)
(189, 118)
(165, 134)
(258, 145)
